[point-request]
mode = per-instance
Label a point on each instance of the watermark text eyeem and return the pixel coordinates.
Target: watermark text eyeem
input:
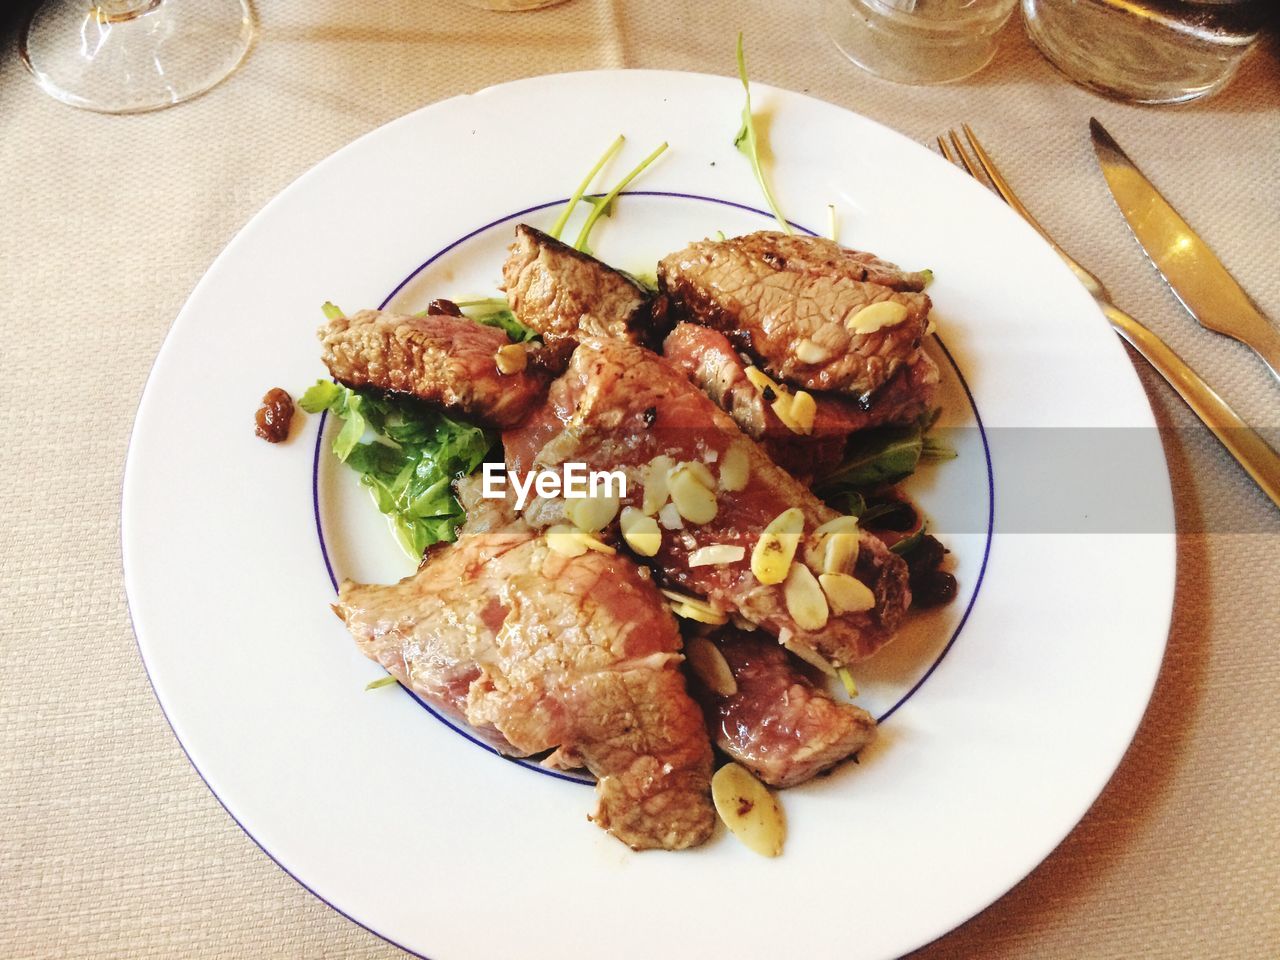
(573, 481)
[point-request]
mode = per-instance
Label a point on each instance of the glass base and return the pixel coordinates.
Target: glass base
(130, 56)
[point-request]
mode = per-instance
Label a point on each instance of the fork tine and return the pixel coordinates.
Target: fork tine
(946, 150)
(963, 154)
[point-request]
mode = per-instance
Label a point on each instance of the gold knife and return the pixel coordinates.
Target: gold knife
(1197, 277)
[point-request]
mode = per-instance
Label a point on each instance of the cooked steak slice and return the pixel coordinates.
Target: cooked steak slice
(442, 359)
(786, 301)
(708, 359)
(619, 406)
(548, 652)
(782, 724)
(560, 292)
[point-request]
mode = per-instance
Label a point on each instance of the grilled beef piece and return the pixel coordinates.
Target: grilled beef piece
(785, 300)
(560, 292)
(617, 407)
(443, 359)
(782, 724)
(539, 651)
(708, 359)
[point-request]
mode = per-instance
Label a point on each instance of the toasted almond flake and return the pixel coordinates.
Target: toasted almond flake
(876, 316)
(807, 654)
(670, 517)
(655, 484)
(806, 602)
(735, 471)
(742, 623)
(762, 381)
(931, 327)
(790, 520)
(512, 358)
(694, 499)
(592, 542)
(839, 552)
(837, 525)
(710, 666)
(782, 410)
(716, 554)
(688, 612)
(565, 540)
(807, 351)
(641, 533)
(749, 810)
(696, 603)
(591, 513)
(847, 594)
(804, 410)
(698, 470)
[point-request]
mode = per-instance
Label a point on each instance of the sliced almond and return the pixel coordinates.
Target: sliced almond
(591, 513)
(655, 484)
(876, 316)
(930, 328)
(839, 552)
(512, 358)
(776, 548)
(806, 602)
(670, 517)
(694, 499)
(749, 810)
(716, 554)
(735, 471)
(592, 542)
(762, 381)
(700, 472)
(808, 351)
(806, 652)
(565, 540)
(847, 594)
(804, 410)
(675, 596)
(710, 666)
(838, 525)
(641, 533)
(701, 615)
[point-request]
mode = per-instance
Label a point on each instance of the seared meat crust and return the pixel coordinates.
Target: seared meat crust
(541, 652)
(619, 406)
(782, 724)
(708, 359)
(442, 359)
(786, 300)
(560, 292)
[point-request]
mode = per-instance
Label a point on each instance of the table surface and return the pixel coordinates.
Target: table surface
(111, 844)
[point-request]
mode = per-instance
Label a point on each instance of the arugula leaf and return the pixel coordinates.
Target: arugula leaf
(748, 142)
(495, 312)
(411, 461)
(846, 678)
(386, 681)
(558, 227)
(603, 206)
(330, 311)
(882, 456)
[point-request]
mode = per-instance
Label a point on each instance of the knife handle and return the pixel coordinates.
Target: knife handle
(1242, 441)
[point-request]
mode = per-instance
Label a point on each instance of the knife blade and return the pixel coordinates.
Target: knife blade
(1196, 276)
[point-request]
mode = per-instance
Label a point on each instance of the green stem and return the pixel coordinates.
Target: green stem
(602, 205)
(558, 227)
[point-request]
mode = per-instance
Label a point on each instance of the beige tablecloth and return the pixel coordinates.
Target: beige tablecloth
(110, 845)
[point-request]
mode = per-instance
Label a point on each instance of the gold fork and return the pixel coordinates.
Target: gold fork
(1242, 442)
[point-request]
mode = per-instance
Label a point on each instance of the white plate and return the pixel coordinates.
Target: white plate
(438, 845)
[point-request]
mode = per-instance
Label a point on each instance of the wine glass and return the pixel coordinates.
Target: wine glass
(129, 56)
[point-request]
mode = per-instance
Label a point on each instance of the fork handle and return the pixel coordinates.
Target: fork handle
(1242, 441)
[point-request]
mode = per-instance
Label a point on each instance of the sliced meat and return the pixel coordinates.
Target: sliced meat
(709, 360)
(619, 406)
(442, 359)
(545, 652)
(782, 724)
(786, 300)
(560, 292)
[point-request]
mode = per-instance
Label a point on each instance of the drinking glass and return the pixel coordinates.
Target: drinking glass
(1148, 51)
(128, 56)
(918, 41)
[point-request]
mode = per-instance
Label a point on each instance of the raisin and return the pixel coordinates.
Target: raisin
(274, 416)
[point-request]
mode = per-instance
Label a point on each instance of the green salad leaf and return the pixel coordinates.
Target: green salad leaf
(603, 206)
(879, 457)
(748, 142)
(409, 461)
(496, 312)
